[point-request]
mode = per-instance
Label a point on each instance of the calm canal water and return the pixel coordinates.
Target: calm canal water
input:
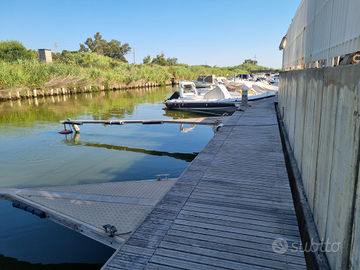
(34, 154)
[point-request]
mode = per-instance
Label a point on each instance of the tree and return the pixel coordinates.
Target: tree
(147, 59)
(112, 49)
(34, 54)
(249, 61)
(159, 60)
(13, 50)
(172, 61)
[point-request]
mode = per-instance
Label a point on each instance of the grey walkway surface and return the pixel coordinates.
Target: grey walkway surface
(86, 208)
(227, 209)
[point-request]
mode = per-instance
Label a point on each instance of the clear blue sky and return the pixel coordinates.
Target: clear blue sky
(221, 33)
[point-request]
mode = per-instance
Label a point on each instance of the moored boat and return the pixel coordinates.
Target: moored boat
(217, 100)
(205, 81)
(188, 98)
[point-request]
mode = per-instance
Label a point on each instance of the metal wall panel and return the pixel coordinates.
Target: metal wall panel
(320, 31)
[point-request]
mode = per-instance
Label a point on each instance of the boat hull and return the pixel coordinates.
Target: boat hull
(211, 105)
(203, 106)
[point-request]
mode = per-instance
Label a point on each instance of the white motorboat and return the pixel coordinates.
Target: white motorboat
(216, 100)
(205, 81)
(254, 88)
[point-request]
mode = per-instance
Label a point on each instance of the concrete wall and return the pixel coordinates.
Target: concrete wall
(321, 113)
(45, 55)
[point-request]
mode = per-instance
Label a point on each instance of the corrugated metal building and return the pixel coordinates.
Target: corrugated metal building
(323, 33)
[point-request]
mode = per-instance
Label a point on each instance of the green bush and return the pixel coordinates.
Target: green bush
(13, 50)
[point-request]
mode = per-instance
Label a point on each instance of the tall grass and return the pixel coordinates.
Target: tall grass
(10, 76)
(92, 68)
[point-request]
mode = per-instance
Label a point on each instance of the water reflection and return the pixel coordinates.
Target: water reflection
(101, 105)
(34, 154)
(12, 263)
(72, 140)
(184, 129)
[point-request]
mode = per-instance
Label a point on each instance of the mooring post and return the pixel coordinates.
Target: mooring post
(244, 97)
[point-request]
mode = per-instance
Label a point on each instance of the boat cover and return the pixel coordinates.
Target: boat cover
(219, 92)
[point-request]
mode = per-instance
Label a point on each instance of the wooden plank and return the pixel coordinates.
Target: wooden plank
(237, 190)
(248, 231)
(257, 242)
(137, 250)
(217, 258)
(244, 187)
(132, 257)
(180, 263)
(287, 209)
(256, 212)
(265, 222)
(187, 260)
(245, 215)
(229, 224)
(242, 248)
(155, 266)
(229, 185)
(246, 196)
(122, 264)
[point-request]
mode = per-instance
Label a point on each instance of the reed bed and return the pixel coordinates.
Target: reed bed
(83, 69)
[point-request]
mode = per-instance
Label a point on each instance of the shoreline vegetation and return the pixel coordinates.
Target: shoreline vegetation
(22, 75)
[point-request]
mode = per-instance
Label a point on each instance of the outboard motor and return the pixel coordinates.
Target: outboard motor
(175, 95)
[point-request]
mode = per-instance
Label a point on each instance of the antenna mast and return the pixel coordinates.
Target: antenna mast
(134, 55)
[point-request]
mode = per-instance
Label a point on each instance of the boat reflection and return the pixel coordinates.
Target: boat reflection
(183, 129)
(176, 114)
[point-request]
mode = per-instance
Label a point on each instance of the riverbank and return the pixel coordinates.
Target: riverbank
(87, 72)
(22, 93)
(29, 78)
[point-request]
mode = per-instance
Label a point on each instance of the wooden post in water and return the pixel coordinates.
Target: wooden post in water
(76, 128)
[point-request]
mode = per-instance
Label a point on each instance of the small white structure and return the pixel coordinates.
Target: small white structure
(45, 56)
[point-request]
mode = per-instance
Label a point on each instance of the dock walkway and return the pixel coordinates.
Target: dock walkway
(227, 209)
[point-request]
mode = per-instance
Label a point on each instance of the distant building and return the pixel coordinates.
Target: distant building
(45, 56)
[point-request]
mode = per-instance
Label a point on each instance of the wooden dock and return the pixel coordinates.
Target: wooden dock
(227, 209)
(231, 208)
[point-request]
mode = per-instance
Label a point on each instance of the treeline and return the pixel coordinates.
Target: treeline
(98, 63)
